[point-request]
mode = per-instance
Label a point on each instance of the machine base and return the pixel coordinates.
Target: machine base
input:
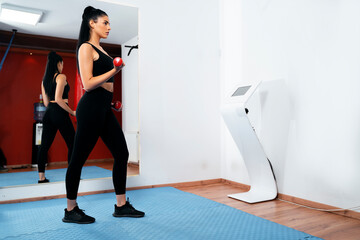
(253, 197)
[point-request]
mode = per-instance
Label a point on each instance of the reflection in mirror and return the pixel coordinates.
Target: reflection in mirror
(23, 70)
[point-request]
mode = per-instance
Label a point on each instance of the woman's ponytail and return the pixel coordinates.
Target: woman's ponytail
(90, 13)
(50, 70)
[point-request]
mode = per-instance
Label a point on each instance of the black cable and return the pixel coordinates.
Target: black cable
(7, 50)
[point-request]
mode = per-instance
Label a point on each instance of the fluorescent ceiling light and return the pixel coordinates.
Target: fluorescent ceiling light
(19, 14)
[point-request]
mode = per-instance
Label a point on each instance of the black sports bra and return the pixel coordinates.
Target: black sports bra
(65, 93)
(103, 64)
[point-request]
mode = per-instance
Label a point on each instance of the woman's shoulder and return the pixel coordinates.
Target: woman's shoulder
(85, 46)
(61, 78)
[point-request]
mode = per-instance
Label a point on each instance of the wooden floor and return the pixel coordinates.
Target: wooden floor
(325, 225)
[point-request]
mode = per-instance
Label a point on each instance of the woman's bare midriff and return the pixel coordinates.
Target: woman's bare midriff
(108, 86)
(65, 100)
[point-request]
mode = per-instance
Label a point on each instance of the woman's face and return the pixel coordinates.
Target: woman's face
(101, 27)
(60, 66)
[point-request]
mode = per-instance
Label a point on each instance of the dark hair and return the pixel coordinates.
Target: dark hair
(50, 70)
(90, 13)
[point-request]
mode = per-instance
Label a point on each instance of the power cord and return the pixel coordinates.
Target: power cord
(321, 209)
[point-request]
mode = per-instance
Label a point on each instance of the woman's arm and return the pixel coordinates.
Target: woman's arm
(60, 85)
(45, 97)
(85, 57)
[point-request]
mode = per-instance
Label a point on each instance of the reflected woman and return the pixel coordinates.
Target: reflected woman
(55, 91)
(95, 118)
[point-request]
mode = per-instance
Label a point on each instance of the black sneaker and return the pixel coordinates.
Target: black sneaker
(77, 216)
(127, 210)
(3, 169)
(43, 181)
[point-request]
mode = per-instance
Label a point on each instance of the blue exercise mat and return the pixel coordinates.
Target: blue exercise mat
(171, 214)
(54, 175)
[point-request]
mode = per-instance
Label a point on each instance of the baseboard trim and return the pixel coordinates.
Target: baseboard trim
(304, 202)
(181, 184)
(312, 204)
(243, 187)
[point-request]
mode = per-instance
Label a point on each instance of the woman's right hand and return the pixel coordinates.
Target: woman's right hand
(74, 113)
(117, 69)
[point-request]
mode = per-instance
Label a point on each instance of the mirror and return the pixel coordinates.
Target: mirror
(62, 21)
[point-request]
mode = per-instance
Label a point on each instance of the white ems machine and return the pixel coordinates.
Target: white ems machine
(262, 180)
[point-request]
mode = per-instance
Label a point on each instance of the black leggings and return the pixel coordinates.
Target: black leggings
(95, 119)
(55, 118)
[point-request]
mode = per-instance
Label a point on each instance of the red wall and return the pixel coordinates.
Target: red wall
(20, 87)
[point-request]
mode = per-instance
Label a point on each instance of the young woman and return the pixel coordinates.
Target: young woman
(95, 118)
(55, 91)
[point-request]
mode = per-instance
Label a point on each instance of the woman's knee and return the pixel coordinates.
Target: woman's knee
(122, 155)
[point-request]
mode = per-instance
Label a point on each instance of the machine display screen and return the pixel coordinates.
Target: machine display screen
(241, 91)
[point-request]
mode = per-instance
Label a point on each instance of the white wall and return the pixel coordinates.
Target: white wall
(130, 86)
(308, 54)
(178, 91)
(232, 167)
(130, 98)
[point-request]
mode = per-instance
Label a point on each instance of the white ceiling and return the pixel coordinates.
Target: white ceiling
(62, 18)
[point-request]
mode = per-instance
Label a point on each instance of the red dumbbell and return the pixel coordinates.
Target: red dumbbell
(118, 61)
(117, 105)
